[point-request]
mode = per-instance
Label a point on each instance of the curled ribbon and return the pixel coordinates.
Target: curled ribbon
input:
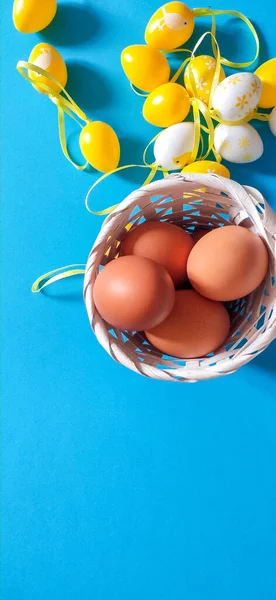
(208, 12)
(64, 104)
(56, 275)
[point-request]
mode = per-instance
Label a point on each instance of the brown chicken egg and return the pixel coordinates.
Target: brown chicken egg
(197, 235)
(133, 293)
(166, 244)
(194, 327)
(227, 263)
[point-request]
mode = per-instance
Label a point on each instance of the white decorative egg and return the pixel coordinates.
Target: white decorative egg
(174, 145)
(237, 96)
(272, 120)
(238, 143)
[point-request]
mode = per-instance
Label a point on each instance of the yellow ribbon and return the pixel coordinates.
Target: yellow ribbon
(208, 12)
(56, 275)
(154, 168)
(64, 104)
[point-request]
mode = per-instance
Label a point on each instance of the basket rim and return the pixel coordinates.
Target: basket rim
(190, 372)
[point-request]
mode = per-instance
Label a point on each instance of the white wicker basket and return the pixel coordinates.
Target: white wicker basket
(193, 202)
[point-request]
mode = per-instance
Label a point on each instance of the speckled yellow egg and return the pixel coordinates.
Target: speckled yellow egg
(145, 67)
(100, 146)
(267, 74)
(167, 104)
(49, 59)
(30, 16)
(202, 69)
(207, 166)
(170, 26)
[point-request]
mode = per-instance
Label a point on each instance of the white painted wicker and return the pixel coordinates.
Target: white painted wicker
(191, 201)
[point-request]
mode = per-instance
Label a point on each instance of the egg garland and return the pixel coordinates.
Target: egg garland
(231, 101)
(47, 72)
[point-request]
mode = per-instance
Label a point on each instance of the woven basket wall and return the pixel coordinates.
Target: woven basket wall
(194, 202)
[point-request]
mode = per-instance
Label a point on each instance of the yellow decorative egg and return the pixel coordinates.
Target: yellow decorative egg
(267, 74)
(238, 143)
(49, 59)
(202, 69)
(167, 104)
(170, 26)
(100, 146)
(30, 16)
(207, 166)
(173, 147)
(237, 96)
(145, 67)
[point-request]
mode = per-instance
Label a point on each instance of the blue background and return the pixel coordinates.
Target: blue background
(114, 486)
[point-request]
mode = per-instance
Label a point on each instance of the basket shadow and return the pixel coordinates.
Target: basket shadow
(72, 26)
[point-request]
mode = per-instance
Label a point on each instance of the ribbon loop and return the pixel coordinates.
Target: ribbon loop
(63, 101)
(208, 12)
(57, 275)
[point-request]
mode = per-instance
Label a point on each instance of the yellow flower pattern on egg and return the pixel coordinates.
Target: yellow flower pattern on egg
(238, 143)
(199, 74)
(248, 157)
(241, 101)
(237, 97)
(244, 142)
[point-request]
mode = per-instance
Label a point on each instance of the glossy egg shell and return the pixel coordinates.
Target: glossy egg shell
(207, 166)
(100, 146)
(166, 105)
(165, 243)
(194, 327)
(145, 67)
(202, 69)
(267, 74)
(170, 26)
(133, 293)
(174, 145)
(238, 143)
(49, 59)
(227, 263)
(237, 96)
(30, 16)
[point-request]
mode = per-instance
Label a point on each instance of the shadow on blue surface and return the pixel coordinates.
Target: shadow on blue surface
(267, 360)
(72, 26)
(87, 86)
(228, 37)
